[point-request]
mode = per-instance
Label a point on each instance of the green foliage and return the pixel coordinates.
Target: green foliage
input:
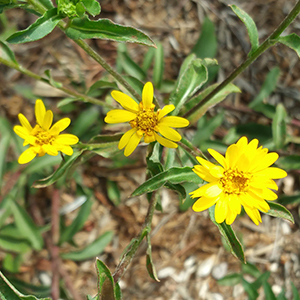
(292, 41)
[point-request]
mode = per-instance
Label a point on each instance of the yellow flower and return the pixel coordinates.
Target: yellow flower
(243, 179)
(42, 139)
(145, 122)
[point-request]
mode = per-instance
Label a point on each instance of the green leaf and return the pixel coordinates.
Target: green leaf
(46, 3)
(101, 84)
(149, 262)
(148, 59)
(229, 235)
(286, 199)
(250, 25)
(279, 127)
(14, 245)
(68, 232)
(9, 292)
(251, 269)
(296, 295)
(190, 82)
(252, 293)
(39, 29)
(292, 41)
(219, 97)
(26, 226)
(4, 145)
(206, 45)
(91, 250)
(173, 176)
(113, 192)
(158, 70)
(41, 163)
(279, 211)
(107, 289)
(62, 169)
(6, 53)
(92, 7)
(4, 5)
(268, 291)
(51, 81)
(12, 263)
(260, 280)
(230, 280)
(108, 30)
(291, 162)
(267, 88)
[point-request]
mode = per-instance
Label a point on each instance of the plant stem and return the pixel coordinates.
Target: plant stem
(63, 89)
(135, 243)
(91, 52)
(270, 41)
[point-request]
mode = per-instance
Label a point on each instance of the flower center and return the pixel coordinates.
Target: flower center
(235, 181)
(42, 136)
(145, 120)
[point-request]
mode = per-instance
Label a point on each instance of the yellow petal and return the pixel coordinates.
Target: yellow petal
(25, 123)
(204, 203)
(67, 150)
(50, 150)
(218, 157)
(274, 173)
(47, 120)
(173, 121)
(21, 131)
(221, 210)
(27, 156)
(119, 116)
(202, 191)
(40, 111)
(60, 126)
(232, 155)
(165, 142)
(149, 138)
(147, 95)
(231, 216)
(126, 137)
(67, 139)
(204, 174)
(132, 144)
(169, 133)
(127, 102)
(268, 160)
(253, 214)
(166, 109)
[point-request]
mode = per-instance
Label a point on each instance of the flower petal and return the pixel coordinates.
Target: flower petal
(47, 120)
(169, 133)
(119, 116)
(268, 160)
(40, 111)
(173, 121)
(132, 144)
(67, 150)
(27, 156)
(221, 209)
(25, 123)
(147, 95)
(165, 142)
(21, 131)
(218, 157)
(126, 137)
(253, 213)
(127, 102)
(49, 149)
(272, 172)
(164, 111)
(60, 126)
(67, 139)
(204, 203)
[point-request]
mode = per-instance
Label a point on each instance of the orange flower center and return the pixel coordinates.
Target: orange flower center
(235, 181)
(43, 137)
(145, 121)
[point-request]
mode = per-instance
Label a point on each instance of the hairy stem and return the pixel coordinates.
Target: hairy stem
(270, 41)
(68, 91)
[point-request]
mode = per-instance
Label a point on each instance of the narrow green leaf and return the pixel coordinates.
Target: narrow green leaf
(281, 296)
(219, 97)
(26, 226)
(286, 199)
(91, 250)
(268, 291)
(108, 30)
(229, 235)
(4, 5)
(190, 82)
(14, 245)
(158, 70)
(113, 192)
(39, 164)
(62, 169)
(51, 81)
(46, 3)
(173, 176)
(39, 29)
(12, 263)
(279, 211)
(68, 232)
(261, 280)
(4, 145)
(252, 293)
(230, 280)
(148, 59)
(101, 84)
(92, 7)
(292, 41)
(9, 292)
(250, 25)
(296, 295)
(279, 127)
(6, 53)
(267, 88)
(291, 162)
(149, 262)
(206, 45)
(251, 269)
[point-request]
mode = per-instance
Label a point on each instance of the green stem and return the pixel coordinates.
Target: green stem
(270, 41)
(135, 243)
(82, 44)
(191, 149)
(63, 89)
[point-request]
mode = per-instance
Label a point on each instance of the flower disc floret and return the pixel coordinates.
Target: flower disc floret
(244, 178)
(145, 122)
(43, 138)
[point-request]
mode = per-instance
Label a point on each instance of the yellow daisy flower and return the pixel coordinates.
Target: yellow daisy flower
(42, 139)
(145, 122)
(243, 179)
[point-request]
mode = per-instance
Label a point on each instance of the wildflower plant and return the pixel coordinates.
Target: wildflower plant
(243, 178)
